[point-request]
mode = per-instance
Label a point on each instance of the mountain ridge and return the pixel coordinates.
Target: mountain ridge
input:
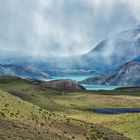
(114, 51)
(127, 75)
(23, 72)
(106, 56)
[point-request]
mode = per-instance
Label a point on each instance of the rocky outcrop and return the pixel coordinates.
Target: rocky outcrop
(127, 75)
(69, 85)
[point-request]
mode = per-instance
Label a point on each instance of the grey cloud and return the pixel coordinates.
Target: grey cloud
(62, 27)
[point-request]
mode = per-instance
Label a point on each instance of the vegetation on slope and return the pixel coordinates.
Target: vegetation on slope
(15, 112)
(67, 113)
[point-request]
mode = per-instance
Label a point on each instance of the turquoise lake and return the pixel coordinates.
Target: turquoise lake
(87, 87)
(99, 87)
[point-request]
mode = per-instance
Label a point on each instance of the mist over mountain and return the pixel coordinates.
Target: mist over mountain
(108, 55)
(69, 69)
(23, 72)
(137, 59)
(69, 38)
(50, 28)
(114, 51)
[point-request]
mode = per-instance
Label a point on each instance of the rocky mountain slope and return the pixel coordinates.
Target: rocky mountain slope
(126, 75)
(114, 51)
(64, 85)
(23, 72)
(106, 56)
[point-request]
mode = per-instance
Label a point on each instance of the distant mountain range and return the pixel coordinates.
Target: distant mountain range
(119, 57)
(23, 72)
(114, 51)
(105, 57)
(126, 75)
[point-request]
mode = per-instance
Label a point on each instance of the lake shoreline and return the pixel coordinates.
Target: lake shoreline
(87, 87)
(115, 110)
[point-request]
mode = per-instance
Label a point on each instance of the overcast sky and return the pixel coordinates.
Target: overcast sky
(62, 27)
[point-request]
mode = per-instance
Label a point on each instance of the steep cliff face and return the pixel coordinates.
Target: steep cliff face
(126, 75)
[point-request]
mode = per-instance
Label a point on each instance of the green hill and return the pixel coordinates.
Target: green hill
(24, 120)
(55, 114)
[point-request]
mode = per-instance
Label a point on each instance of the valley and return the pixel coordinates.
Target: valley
(61, 114)
(69, 69)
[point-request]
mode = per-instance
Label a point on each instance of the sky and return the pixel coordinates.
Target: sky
(62, 27)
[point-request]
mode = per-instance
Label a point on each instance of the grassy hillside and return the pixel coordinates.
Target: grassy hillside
(128, 124)
(11, 130)
(66, 114)
(21, 118)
